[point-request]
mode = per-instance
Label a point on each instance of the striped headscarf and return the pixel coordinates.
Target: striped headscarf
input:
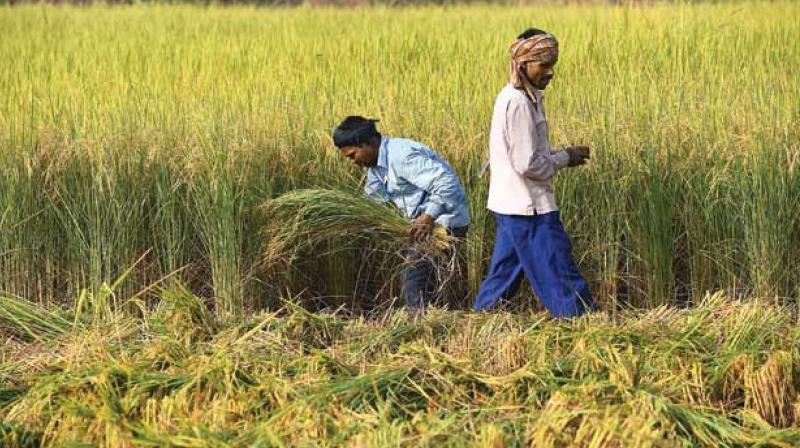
(539, 47)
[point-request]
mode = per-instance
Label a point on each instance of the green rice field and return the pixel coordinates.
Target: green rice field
(144, 302)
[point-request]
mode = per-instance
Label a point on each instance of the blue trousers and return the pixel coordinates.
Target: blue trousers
(538, 247)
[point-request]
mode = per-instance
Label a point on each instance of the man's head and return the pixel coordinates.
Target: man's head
(533, 56)
(358, 140)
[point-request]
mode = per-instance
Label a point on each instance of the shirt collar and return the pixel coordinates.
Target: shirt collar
(537, 97)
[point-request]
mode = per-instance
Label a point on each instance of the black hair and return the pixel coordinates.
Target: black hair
(530, 32)
(355, 130)
(354, 122)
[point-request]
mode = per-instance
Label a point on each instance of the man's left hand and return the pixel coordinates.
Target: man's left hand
(578, 155)
(422, 227)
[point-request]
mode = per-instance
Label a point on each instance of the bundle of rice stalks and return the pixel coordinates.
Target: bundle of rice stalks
(30, 321)
(183, 316)
(304, 219)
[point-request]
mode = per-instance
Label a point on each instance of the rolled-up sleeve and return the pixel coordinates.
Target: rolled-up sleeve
(525, 158)
(560, 158)
(438, 180)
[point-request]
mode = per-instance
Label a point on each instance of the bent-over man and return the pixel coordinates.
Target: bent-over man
(419, 182)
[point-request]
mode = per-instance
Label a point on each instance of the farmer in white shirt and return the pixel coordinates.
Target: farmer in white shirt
(530, 239)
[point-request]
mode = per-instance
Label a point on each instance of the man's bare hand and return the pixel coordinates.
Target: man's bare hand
(422, 227)
(578, 155)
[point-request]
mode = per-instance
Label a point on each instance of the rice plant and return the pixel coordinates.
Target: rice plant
(173, 213)
(161, 130)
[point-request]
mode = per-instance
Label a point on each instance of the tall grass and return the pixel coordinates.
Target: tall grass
(159, 130)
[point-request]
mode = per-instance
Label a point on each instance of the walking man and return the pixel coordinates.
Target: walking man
(421, 184)
(530, 239)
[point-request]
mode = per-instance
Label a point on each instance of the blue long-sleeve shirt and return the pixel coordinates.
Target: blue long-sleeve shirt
(417, 181)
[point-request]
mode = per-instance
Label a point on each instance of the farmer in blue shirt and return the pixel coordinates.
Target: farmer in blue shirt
(421, 184)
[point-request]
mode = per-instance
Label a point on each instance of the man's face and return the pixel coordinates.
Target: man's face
(540, 73)
(365, 155)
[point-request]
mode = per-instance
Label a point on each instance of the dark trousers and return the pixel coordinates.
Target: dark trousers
(420, 278)
(538, 248)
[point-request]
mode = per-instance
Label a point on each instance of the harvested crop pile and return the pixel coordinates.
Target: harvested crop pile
(722, 374)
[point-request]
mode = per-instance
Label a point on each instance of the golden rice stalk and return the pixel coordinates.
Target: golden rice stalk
(731, 383)
(771, 392)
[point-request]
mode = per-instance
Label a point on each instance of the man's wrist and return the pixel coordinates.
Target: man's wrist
(561, 158)
(434, 210)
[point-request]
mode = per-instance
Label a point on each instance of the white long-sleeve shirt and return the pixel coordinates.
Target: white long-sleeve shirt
(520, 158)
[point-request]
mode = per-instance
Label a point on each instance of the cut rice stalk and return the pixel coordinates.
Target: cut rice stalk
(302, 219)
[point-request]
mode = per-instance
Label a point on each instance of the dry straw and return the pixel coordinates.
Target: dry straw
(180, 377)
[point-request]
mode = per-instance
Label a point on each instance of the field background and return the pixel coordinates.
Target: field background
(157, 131)
(137, 144)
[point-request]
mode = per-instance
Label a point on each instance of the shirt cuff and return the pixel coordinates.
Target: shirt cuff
(434, 209)
(560, 158)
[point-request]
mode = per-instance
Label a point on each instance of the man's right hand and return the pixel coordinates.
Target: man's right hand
(422, 227)
(578, 155)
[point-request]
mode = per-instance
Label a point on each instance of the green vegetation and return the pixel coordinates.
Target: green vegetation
(161, 130)
(167, 181)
